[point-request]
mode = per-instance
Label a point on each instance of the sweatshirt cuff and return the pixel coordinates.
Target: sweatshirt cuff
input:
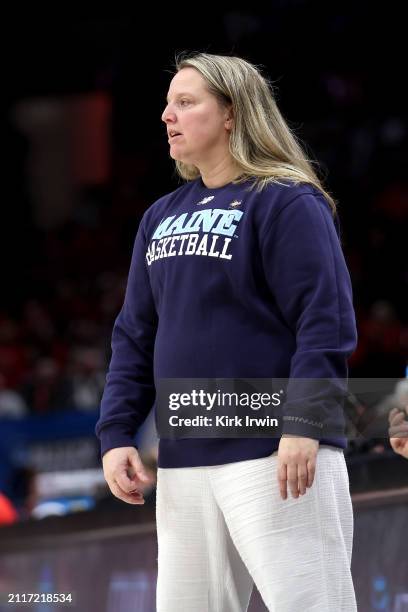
(115, 436)
(298, 426)
(317, 421)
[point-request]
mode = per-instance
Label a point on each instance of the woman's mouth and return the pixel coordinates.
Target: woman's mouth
(173, 137)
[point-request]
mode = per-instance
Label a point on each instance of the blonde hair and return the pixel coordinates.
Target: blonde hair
(261, 143)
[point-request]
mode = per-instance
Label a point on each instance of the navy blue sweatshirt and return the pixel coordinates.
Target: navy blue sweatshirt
(228, 282)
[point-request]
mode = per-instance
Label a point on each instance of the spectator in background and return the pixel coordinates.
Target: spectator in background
(13, 358)
(398, 430)
(46, 389)
(38, 327)
(12, 405)
(373, 423)
(87, 377)
(380, 351)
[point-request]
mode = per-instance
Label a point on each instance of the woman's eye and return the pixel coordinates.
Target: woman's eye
(183, 102)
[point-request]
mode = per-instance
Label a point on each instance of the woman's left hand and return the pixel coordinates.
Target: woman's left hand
(296, 464)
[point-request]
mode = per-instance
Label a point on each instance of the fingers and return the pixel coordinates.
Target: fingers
(398, 425)
(398, 417)
(299, 476)
(137, 469)
(130, 498)
(399, 431)
(282, 479)
(131, 487)
(125, 474)
(293, 479)
(125, 483)
(302, 478)
(395, 414)
(400, 412)
(311, 470)
(400, 446)
(129, 480)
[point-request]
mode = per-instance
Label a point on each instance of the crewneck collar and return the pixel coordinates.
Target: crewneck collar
(203, 187)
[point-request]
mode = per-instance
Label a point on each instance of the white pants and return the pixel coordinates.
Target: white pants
(221, 528)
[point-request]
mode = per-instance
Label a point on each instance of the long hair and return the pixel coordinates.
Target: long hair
(261, 144)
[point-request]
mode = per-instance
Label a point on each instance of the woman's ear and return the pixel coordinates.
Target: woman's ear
(229, 122)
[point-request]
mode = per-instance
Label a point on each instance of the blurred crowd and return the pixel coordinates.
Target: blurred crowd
(64, 275)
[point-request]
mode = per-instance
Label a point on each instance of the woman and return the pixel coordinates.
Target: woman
(237, 273)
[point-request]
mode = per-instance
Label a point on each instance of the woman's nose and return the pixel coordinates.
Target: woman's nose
(167, 114)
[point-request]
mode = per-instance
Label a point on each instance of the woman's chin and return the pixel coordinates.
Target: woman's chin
(177, 157)
(174, 154)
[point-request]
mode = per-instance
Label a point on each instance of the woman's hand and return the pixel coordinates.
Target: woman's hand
(296, 464)
(125, 474)
(399, 427)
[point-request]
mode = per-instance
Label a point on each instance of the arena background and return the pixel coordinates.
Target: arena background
(85, 154)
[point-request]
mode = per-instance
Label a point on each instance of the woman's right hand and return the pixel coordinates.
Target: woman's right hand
(125, 474)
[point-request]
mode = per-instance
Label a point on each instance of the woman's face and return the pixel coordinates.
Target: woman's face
(197, 115)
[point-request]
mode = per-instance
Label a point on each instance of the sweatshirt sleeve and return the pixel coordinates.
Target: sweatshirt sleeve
(307, 275)
(129, 390)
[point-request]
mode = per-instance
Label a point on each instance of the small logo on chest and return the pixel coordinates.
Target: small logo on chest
(205, 200)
